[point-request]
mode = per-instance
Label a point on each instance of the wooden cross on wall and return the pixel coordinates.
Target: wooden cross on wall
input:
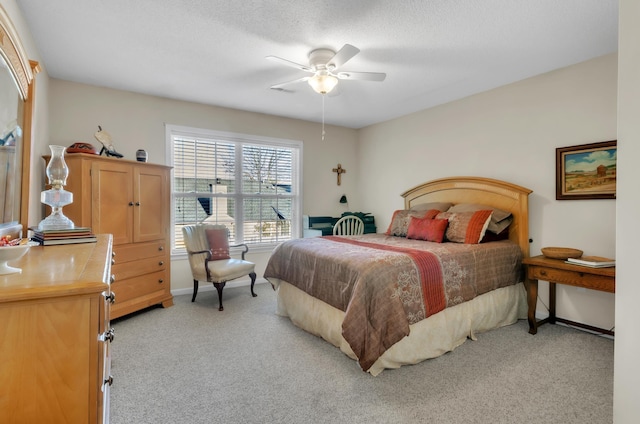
(339, 170)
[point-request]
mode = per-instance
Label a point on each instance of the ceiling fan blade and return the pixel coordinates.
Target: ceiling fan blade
(289, 63)
(363, 76)
(342, 56)
(283, 84)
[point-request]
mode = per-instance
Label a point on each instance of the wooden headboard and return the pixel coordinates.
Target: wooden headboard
(486, 191)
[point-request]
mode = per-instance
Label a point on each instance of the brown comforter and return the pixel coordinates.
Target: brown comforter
(385, 283)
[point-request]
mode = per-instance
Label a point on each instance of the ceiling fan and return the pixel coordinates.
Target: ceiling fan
(324, 64)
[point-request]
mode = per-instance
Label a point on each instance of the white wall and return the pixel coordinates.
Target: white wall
(509, 133)
(626, 408)
(137, 121)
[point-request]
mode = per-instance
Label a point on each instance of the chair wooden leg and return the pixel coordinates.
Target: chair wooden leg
(195, 290)
(253, 281)
(219, 287)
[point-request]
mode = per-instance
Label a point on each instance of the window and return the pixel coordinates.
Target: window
(250, 184)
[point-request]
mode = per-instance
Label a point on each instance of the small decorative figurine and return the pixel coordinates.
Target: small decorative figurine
(107, 145)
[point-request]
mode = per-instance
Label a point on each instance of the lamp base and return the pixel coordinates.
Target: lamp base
(56, 221)
(56, 198)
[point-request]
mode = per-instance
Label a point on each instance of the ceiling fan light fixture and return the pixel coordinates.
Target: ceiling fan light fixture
(322, 82)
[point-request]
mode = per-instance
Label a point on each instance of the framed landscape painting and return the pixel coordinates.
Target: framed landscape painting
(587, 171)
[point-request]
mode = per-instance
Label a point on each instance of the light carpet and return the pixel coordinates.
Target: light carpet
(193, 364)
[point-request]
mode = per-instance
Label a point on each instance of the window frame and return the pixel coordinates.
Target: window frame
(240, 140)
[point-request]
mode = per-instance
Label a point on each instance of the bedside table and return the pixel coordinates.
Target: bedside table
(557, 271)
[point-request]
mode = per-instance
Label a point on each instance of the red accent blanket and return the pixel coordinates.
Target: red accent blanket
(384, 284)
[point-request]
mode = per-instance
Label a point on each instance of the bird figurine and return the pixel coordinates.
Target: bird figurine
(107, 145)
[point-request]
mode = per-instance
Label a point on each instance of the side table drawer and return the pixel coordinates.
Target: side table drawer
(572, 278)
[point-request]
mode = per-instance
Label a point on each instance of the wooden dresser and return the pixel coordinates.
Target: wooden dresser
(131, 201)
(55, 335)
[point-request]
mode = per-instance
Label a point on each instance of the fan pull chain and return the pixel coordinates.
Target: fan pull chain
(323, 133)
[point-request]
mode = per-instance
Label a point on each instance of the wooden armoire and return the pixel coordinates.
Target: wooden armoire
(131, 201)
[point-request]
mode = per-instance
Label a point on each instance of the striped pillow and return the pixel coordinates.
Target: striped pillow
(466, 227)
(500, 219)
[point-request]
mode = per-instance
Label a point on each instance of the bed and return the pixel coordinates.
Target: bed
(387, 300)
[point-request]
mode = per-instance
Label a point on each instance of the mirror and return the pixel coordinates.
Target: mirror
(16, 109)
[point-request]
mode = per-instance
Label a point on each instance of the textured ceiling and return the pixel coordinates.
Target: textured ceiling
(213, 51)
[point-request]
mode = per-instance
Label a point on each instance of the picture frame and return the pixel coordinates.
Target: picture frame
(586, 171)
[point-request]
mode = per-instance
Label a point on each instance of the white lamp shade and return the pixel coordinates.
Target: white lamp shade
(323, 83)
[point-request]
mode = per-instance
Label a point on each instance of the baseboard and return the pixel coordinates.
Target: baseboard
(205, 287)
(541, 316)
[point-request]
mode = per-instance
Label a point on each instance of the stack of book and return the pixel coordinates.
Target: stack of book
(69, 236)
(592, 261)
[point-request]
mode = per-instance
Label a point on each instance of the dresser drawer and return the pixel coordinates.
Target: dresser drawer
(135, 252)
(138, 286)
(126, 270)
(572, 278)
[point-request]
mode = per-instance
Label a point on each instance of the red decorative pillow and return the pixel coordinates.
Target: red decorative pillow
(400, 220)
(466, 227)
(427, 229)
(218, 239)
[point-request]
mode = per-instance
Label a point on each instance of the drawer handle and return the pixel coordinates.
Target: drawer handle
(160, 281)
(161, 263)
(113, 254)
(161, 248)
(113, 278)
(130, 203)
(137, 203)
(109, 380)
(111, 297)
(543, 272)
(108, 335)
(113, 261)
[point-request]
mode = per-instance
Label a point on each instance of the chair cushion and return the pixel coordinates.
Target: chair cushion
(218, 239)
(229, 269)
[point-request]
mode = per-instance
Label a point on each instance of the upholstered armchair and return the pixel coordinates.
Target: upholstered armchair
(208, 249)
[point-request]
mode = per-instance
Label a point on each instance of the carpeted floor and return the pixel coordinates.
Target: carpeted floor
(193, 364)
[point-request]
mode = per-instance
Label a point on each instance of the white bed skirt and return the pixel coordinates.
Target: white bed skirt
(429, 338)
